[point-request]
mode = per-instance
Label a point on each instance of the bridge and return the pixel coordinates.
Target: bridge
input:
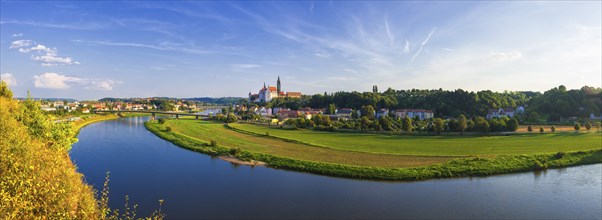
(154, 113)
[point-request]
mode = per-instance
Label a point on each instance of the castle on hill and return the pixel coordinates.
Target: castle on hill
(266, 94)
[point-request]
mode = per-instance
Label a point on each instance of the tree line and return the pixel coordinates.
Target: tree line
(552, 105)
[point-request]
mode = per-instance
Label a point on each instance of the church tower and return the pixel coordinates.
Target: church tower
(278, 88)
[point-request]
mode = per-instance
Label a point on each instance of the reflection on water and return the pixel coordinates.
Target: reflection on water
(194, 185)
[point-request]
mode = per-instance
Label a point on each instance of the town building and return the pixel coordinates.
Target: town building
(267, 93)
(422, 114)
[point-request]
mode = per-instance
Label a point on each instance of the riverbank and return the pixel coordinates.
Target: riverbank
(459, 167)
(77, 125)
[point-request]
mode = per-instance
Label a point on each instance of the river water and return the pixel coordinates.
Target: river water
(195, 185)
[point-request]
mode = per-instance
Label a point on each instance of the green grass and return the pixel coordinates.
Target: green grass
(474, 166)
(436, 145)
(206, 131)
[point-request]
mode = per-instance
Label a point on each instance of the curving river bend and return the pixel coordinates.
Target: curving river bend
(195, 185)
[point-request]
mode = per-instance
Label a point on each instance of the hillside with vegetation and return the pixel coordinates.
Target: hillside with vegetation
(38, 180)
(551, 105)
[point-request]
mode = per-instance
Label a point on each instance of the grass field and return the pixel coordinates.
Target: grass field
(209, 130)
(437, 145)
(276, 152)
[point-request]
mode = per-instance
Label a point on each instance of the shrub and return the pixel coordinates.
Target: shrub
(559, 155)
(235, 151)
(530, 129)
(213, 143)
(553, 128)
(577, 126)
(162, 120)
(540, 129)
(538, 165)
(588, 126)
(168, 129)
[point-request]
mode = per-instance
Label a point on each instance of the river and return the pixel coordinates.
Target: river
(195, 185)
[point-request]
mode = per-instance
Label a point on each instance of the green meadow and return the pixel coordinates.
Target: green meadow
(384, 157)
(436, 145)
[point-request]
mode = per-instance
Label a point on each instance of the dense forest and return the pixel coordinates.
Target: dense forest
(552, 105)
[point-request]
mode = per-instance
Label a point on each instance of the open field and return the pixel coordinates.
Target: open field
(437, 145)
(210, 130)
(279, 153)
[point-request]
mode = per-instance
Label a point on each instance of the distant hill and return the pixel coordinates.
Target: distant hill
(209, 100)
(51, 99)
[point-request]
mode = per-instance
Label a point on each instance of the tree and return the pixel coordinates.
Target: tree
(375, 89)
(482, 125)
(553, 129)
(598, 125)
(462, 124)
(513, 124)
(332, 109)
(231, 118)
(368, 111)
(365, 123)
(541, 130)
(438, 125)
(354, 114)
(588, 126)
(577, 126)
(530, 129)
(407, 124)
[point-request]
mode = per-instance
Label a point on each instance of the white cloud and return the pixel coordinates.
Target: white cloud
(54, 81)
(38, 47)
(59, 81)
(46, 55)
(501, 56)
(20, 43)
(8, 78)
(51, 59)
(406, 48)
(102, 85)
(17, 35)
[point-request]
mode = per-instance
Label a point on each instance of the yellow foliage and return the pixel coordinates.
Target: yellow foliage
(37, 177)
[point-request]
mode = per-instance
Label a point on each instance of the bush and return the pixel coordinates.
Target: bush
(540, 129)
(553, 129)
(168, 129)
(162, 120)
(530, 129)
(213, 143)
(538, 165)
(577, 126)
(559, 155)
(235, 151)
(588, 126)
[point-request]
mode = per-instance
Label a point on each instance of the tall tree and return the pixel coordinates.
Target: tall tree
(407, 124)
(438, 125)
(462, 123)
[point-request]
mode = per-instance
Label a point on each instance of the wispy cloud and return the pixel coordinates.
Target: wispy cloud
(59, 81)
(245, 66)
(75, 26)
(423, 44)
(388, 31)
(406, 48)
(501, 56)
(164, 46)
(17, 35)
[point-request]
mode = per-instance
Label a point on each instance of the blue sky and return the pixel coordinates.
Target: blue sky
(91, 50)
